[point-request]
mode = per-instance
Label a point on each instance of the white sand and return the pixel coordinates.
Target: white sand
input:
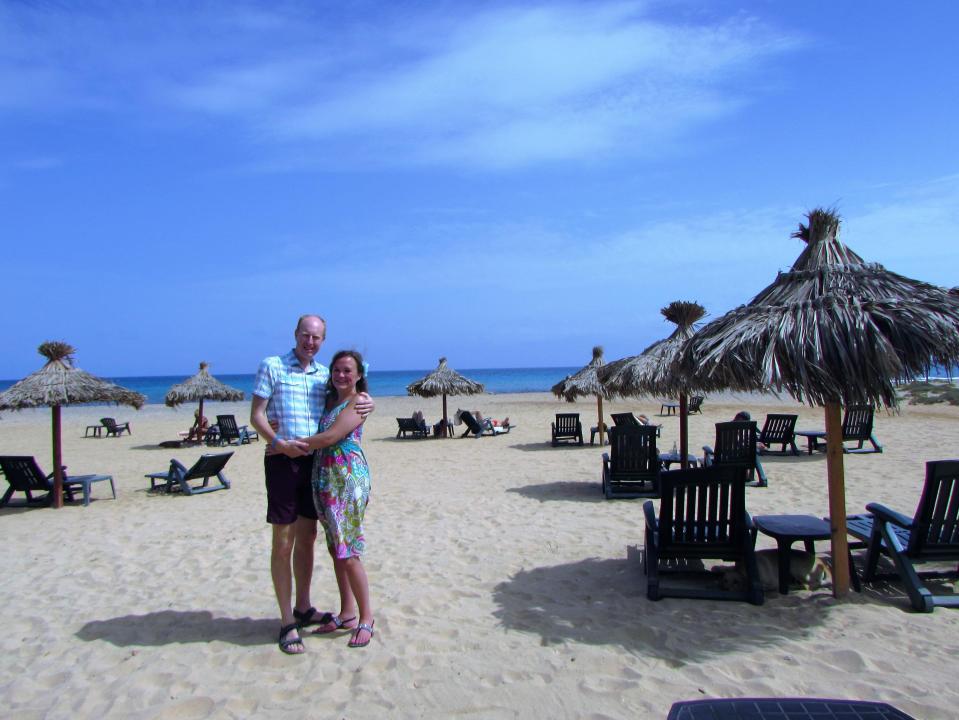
(504, 586)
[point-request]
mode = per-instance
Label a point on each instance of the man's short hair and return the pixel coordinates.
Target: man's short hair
(311, 315)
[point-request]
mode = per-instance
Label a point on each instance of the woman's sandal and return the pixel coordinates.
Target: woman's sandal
(356, 631)
(306, 618)
(286, 644)
(338, 624)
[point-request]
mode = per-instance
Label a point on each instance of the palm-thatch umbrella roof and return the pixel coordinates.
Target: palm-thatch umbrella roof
(59, 383)
(832, 330)
(585, 383)
(655, 372)
(200, 387)
(444, 381)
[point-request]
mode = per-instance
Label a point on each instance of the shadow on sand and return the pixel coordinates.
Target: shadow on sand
(568, 490)
(167, 627)
(603, 602)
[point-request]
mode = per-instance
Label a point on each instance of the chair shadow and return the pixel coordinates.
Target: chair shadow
(603, 602)
(547, 446)
(167, 627)
(888, 588)
(562, 490)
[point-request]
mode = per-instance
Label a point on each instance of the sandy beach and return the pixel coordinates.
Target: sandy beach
(504, 585)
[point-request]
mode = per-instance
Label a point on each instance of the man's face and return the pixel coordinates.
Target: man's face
(309, 338)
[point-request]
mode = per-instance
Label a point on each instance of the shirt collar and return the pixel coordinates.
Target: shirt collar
(293, 362)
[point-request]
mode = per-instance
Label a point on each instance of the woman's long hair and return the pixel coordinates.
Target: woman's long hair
(361, 385)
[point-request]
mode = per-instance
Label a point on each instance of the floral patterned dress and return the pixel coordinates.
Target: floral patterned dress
(341, 490)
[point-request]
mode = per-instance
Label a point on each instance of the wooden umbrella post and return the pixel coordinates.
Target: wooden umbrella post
(599, 410)
(683, 431)
(446, 425)
(57, 459)
(837, 500)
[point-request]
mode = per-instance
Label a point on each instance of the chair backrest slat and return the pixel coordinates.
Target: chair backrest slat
(735, 443)
(567, 422)
(633, 450)
(625, 420)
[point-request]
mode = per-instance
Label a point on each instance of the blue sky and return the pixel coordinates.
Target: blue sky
(503, 183)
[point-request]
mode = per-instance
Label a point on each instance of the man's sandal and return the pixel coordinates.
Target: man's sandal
(308, 617)
(285, 645)
(361, 626)
(336, 622)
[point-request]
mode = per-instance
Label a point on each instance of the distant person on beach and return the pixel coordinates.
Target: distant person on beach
(200, 426)
(341, 492)
(288, 401)
(744, 416)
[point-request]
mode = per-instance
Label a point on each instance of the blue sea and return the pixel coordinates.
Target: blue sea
(383, 383)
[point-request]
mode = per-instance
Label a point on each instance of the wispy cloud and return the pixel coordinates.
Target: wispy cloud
(484, 86)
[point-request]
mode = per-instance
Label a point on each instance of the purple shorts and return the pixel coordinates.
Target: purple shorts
(289, 488)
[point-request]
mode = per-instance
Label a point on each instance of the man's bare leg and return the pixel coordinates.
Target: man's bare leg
(303, 544)
(280, 557)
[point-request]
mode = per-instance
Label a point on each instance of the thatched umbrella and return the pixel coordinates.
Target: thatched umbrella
(654, 371)
(444, 381)
(585, 383)
(832, 330)
(59, 383)
(201, 386)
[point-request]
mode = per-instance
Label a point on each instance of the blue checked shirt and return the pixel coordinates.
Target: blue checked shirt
(295, 397)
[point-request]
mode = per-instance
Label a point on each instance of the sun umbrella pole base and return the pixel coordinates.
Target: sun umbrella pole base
(57, 459)
(837, 501)
(599, 411)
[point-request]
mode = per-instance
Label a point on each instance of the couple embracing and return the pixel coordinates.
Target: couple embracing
(315, 471)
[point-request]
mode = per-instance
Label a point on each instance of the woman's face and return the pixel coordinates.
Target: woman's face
(345, 373)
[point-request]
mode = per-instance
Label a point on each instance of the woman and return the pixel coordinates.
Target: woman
(341, 491)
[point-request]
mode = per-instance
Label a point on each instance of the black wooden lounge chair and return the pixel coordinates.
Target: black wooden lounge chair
(631, 468)
(931, 535)
(695, 404)
(114, 428)
(736, 445)
(178, 477)
(410, 427)
(24, 475)
(856, 427)
(779, 430)
(232, 434)
(567, 428)
(702, 515)
(474, 428)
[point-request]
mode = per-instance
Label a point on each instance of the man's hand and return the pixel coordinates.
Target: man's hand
(364, 405)
(292, 448)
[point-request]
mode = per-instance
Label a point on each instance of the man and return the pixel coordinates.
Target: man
(288, 399)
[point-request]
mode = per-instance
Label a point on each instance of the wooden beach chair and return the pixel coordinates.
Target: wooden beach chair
(114, 428)
(930, 535)
(702, 515)
(779, 429)
(736, 445)
(24, 475)
(232, 434)
(567, 428)
(409, 427)
(631, 468)
(178, 477)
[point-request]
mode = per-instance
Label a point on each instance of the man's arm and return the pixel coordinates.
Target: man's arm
(258, 419)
